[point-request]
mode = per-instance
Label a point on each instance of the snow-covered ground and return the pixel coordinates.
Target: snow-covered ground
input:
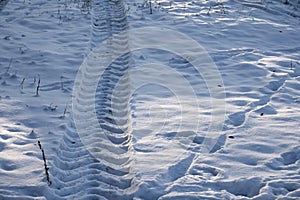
(169, 136)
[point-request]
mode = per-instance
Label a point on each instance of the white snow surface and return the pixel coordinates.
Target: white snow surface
(159, 152)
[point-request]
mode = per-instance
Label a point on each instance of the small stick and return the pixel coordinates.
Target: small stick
(38, 87)
(22, 84)
(150, 7)
(10, 62)
(65, 110)
(45, 163)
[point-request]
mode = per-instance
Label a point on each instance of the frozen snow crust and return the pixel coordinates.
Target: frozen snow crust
(121, 116)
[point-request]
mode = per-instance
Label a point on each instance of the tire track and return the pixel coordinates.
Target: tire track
(99, 164)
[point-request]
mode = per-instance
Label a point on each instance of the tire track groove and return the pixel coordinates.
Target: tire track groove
(107, 172)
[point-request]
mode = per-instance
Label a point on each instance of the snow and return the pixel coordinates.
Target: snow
(205, 106)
